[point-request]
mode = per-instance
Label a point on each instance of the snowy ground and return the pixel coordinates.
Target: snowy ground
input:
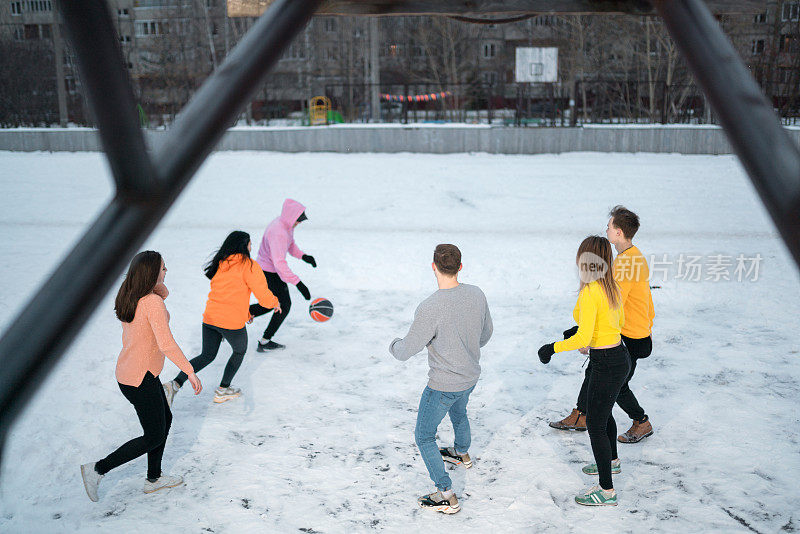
(322, 440)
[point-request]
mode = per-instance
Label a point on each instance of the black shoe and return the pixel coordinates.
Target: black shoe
(269, 345)
(438, 503)
(450, 455)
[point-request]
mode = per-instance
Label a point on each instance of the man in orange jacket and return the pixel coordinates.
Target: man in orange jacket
(632, 275)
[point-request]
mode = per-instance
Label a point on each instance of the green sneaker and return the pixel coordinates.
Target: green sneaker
(597, 496)
(591, 469)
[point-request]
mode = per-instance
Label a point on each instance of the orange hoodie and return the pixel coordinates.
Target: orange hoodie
(633, 276)
(229, 299)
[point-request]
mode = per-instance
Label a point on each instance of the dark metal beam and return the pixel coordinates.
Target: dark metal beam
(253, 8)
(765, 149)
(104, 75)
(37, 338)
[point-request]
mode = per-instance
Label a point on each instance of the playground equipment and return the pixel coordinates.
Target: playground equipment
(318, 109)
(147, 185)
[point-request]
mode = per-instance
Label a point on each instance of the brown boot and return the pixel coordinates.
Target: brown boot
(637, 432)
(574, 421)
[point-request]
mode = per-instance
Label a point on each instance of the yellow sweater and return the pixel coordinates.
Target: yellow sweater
(632, 275)
(598, 324)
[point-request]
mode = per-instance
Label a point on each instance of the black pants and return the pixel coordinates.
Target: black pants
(212, 337)
(151, 407)
(610, 369)
(638, 349)
(280, 289)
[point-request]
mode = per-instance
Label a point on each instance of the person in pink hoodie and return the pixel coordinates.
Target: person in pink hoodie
(278, 240)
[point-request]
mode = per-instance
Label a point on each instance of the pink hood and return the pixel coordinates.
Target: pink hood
(278, 240)
(291, 211)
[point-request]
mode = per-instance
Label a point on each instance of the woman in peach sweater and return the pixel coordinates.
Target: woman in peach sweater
(234, 276)
(146, 339)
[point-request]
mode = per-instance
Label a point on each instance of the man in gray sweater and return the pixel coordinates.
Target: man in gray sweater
(453, 323)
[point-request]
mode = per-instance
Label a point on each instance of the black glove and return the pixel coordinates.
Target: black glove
(301, 287)
(571, 332)
(546, 352)
(309, 260)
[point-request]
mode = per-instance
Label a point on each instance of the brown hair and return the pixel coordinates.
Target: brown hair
(447, 259)
(594, 263)
(625, 220)
(140, 280)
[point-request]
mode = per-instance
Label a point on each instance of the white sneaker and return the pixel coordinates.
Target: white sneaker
(170, 389)
(91, 480)
(226, 394)
(164, 481)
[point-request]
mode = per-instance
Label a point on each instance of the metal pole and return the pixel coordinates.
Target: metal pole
(374, 71)
(767, 152)
(90, 29)
(58, 53)
(36, 339)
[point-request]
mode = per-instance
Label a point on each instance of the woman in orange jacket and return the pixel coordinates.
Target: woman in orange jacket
(233, 277)
(146, 339)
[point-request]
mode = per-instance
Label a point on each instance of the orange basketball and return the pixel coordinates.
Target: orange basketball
(320, 310)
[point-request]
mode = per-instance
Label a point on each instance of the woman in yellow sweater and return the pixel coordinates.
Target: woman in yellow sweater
(599, 315)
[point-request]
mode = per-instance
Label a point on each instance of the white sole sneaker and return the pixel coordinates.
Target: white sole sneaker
(91, 480)
(164, 481)
(170, 390)
(224, 395)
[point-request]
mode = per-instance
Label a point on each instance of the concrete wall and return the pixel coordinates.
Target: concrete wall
(437, 140)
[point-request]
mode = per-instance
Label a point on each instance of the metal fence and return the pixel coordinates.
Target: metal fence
(605, 101)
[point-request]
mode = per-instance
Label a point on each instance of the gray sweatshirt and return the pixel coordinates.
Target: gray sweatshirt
(454, 324)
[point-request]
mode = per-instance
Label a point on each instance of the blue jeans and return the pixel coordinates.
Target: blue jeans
(432, 408)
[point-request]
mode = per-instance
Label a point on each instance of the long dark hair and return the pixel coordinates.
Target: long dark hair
(235, 243)
(140, 280)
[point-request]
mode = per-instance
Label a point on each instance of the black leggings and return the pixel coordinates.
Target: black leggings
(280, 289)
(638, 349)
(155, 417)
(610, 369)
(212, 337)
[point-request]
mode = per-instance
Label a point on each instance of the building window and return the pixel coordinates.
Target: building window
(146, 28)
(330, 53)
(417, 51)
(123, 12)
(124, 38)
(16, 8)
(44, 31)
(788, 43)
(489, 50)
(294, 51)
(489, 77)
(761, 18)
(392, 50)
(791, 11)
(544, 20)
(156, 3)
(758, 47)
(38, 6)
(32, 31)
(330, 24)
(19, 33)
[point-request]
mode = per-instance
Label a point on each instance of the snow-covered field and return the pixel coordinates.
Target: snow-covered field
(322, 440)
